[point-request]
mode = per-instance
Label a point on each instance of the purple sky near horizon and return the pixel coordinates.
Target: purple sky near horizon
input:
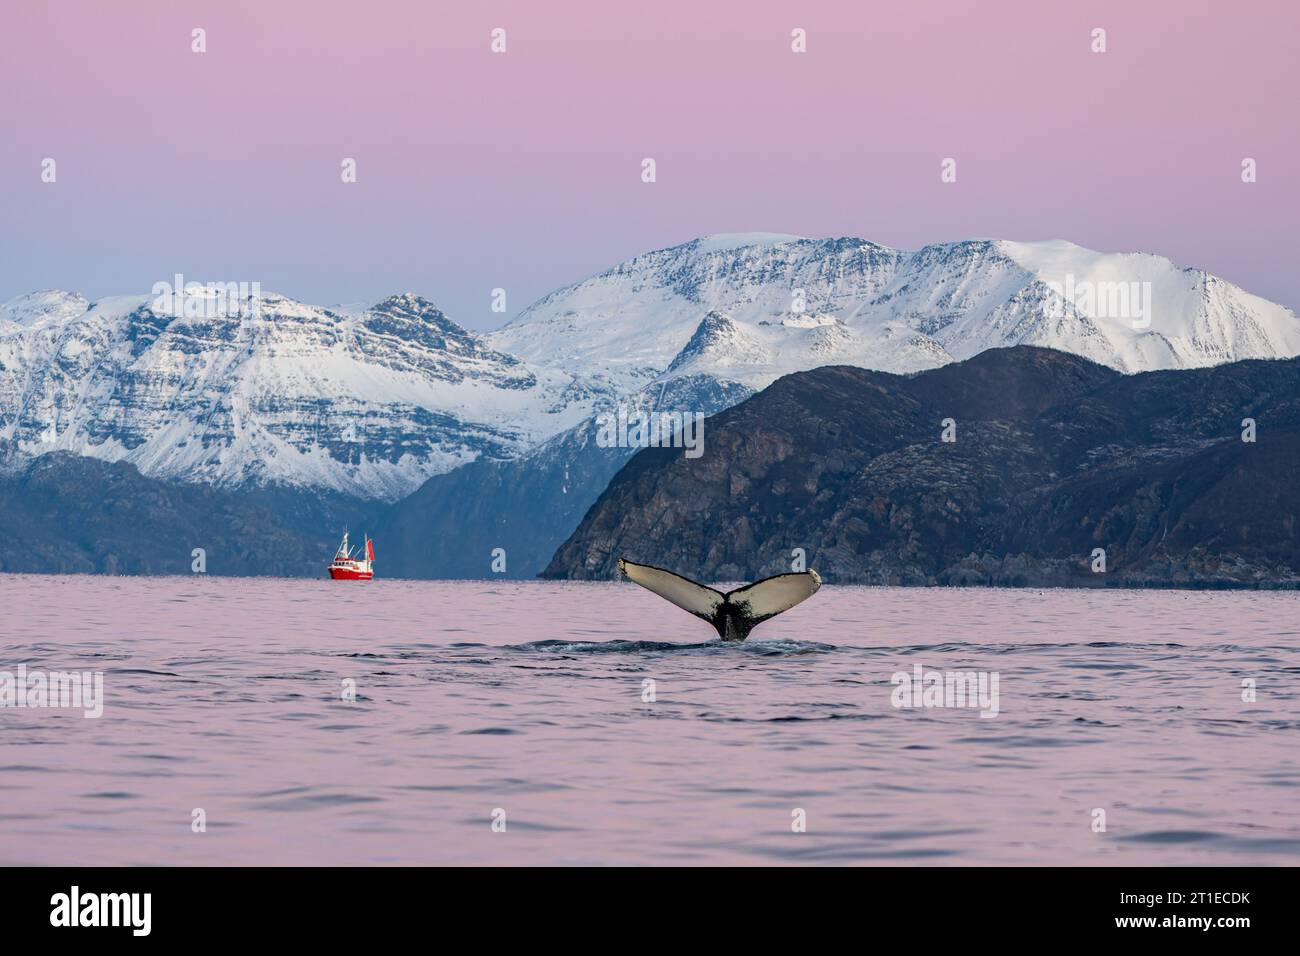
(522, 170)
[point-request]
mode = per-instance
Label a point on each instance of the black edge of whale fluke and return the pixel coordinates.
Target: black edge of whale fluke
(735, 613)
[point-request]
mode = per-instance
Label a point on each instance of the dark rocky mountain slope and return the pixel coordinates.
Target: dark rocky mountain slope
(66, 514)
(1054, 457)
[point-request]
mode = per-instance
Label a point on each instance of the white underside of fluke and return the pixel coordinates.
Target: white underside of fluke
(753, 603)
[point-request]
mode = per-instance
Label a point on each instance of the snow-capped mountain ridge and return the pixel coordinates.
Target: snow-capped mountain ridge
(369, 405)
(372, 401)
(634, 318)
(895, 310)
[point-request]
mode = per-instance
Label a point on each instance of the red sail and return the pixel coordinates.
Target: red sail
(370, 549)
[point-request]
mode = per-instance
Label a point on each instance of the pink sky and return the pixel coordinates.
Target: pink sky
(522, 170)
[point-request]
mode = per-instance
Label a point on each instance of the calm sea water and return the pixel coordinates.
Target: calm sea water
(475, 698)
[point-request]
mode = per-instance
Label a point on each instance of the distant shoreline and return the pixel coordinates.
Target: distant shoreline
(882, 586)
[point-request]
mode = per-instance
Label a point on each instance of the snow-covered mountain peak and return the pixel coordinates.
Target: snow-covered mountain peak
(48, 303)
(414, 319)
(718, 345)
(895, 310)
(288, 393)
(633, 319)
(419, 311)
(409, 302)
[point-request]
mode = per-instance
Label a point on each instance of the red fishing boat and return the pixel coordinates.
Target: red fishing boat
(349, 567)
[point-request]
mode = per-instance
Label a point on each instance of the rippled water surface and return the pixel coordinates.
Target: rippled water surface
(226, 695)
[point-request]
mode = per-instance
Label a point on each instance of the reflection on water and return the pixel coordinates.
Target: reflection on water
(535, 699)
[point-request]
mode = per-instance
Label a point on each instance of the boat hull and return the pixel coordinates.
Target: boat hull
(349, 574)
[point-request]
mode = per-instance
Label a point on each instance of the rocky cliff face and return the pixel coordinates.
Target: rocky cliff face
(1053, 458)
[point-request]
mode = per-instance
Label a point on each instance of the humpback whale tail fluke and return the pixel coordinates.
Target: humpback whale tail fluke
(735, 613)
